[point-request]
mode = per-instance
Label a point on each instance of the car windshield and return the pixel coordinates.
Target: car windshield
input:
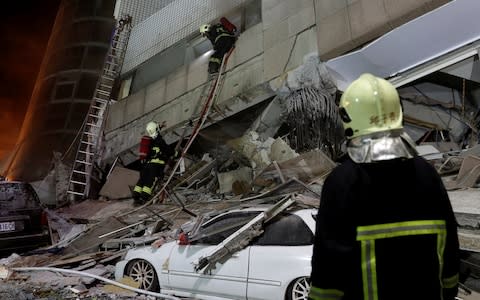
(216, 230)
(17, 195)
(285, 230)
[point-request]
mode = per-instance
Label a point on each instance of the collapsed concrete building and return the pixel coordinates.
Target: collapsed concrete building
(291, 62)
(285, 49)
(273, 129)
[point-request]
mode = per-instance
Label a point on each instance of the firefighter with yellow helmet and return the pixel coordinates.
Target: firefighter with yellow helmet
(385, 227)
(157, 155)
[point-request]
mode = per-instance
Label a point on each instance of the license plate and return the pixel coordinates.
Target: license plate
(7, 226)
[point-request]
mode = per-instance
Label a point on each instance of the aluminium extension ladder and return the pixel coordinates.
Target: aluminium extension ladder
(93, 125)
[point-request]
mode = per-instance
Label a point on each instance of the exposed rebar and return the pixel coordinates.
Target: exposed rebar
(314, 121)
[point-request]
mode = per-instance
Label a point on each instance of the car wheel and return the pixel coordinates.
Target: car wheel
(298, 289)
(142, 271)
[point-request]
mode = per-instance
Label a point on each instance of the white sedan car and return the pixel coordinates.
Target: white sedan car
(275, 265)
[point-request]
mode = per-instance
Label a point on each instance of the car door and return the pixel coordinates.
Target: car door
(229, 278)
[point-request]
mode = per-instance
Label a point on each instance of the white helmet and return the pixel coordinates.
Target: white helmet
(153, 129)
(204, 29)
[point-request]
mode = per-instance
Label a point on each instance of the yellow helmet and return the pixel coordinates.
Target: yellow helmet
(370, 104)
(204, 29)
(153, 129)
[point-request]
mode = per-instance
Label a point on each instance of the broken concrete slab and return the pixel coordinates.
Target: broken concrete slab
(95, 210)
(281, 151)
(198, 172)
(227, 179)
(257, 151)
(443, 147)
(99, 270)
(306, 167)
(465, 204)
(53, 279)
(469, 240)
(468, 175)
(10, 259)
(119, 182)
(75, 260)
(270, 120)
(429, 152)
(79, 289)
(89, 242)
(465, 201)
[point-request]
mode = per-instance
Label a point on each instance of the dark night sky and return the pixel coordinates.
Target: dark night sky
(24, 31)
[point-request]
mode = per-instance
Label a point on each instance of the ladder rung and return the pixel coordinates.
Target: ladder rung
(101, 100)
(83, 162)
(91, 126)
(105, 90)
(95, 116)
(75, 193)
(107, 85)
(85, 152)
(77, 182)
(98, 96)
(111, 63)
(107, 78)
(80, 172)
(87, 143)
(104, 102)
(110, 67)
(97, 107)
(101, 92)
(90, 134)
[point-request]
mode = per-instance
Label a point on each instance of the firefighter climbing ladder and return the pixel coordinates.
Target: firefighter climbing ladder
(209, 100)
(92, 128)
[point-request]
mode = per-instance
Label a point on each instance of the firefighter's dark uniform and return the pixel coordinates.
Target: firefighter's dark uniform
(222, 41)
(385, 231)
(158, 155)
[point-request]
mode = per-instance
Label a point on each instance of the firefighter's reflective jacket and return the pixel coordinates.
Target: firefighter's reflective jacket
(159, 151)
(385, 231)
(216, 32)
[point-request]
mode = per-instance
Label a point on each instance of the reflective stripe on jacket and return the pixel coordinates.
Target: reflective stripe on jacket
(159, 151)
(385, 231)
(216, 32)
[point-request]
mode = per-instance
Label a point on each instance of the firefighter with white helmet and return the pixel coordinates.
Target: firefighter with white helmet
(385, 226)
(204, 29)
(153, 129)
(157, 155)
(222, 36)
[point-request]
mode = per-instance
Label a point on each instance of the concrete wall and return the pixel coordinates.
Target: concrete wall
(343, 25)
(170, 25)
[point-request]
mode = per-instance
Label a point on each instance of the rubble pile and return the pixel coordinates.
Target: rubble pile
(91, 236)
(257, 168)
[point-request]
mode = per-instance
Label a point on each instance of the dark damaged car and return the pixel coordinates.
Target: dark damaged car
(23, 222)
